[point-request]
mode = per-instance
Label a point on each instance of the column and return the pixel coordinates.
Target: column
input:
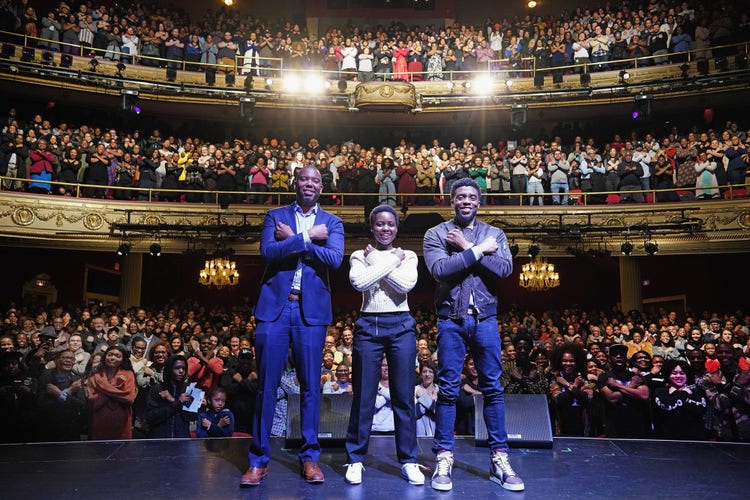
(631, 296)
(130, 282)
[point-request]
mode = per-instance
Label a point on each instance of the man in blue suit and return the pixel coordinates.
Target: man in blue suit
(299, 243)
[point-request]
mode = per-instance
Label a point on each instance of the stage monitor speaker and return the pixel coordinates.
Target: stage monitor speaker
(527, 421)
(334, 418)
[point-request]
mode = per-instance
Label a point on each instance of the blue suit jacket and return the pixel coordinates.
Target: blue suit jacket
(282, 257)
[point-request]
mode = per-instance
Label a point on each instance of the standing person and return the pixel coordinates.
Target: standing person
(111, 391)
(384, 275)
(300, 244)
(467, 257)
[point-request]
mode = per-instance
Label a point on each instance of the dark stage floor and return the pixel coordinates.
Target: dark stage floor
(186, 469)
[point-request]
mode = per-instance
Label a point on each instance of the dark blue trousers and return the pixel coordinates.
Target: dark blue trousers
(392, 334)
(272, 340)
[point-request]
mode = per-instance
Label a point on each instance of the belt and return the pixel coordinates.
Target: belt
(294, 297)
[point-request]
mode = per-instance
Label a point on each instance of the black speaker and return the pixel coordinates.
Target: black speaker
(334, 418)
(527, 421)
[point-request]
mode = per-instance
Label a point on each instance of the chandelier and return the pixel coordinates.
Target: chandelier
(219, 272)
(538, 275)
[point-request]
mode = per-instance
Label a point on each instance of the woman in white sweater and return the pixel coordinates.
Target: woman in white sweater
(384, 274)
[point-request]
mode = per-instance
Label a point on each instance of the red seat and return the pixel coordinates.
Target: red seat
(613, 199)
(576, 196)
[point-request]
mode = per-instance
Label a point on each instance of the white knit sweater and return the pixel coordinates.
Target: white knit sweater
(383, 279)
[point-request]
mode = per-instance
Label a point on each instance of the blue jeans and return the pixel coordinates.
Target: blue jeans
(482, 339)
(272, 339)
(556, 187)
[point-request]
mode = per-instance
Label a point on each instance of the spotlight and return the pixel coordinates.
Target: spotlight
(93, 64)
(342, 85)
(585, 79)
(48, 58)
(626, 248)
(624, 76)
(66, 61)
(268, 83)
(684, 69)
(154, 249)
(509, 83)
(130, 101)
(120, 68)
(247, 108)
(248, 83)
(450, 86)
(533, 250)
(123, 249)
(702, 66)
(514, 249)
(651, 247)
(740, 61)
(27, 54)
(641, 106)
(8, 51)
(518, 116)
(466, 85)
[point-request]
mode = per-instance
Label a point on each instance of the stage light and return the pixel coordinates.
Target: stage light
(247, 108)
(66, 61)
(292, 83)
(154, 249)
(248, 83)
(8, 51)
(684, 69)
(450, 86)
(129, 101)
(722, 64)
(482, 85)
(651, 247)
(626, 248)
(740, 61)
(48, 58)
(268, 83)
(342, 85)
(28, 54)
(509, 83)
(531, 4)
(124, 249)
(624, 76)
(533, 250)
(120, 68)
(641, 106)
(467, 84)
(518, 116)
(514, 249)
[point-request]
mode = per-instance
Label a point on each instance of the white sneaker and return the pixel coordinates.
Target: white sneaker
(503, 474)
(411, 473)
(354, 473)
(442, 477)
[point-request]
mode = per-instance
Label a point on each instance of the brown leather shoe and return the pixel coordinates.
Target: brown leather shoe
(253, 476)
(311, 473)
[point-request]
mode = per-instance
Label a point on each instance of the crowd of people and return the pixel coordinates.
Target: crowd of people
(56, 158)
(660, 31)
(105, 373)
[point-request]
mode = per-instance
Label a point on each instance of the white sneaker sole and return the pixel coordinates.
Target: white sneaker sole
(415, 483)
(508, 486)
(352, 482)
(441, 486)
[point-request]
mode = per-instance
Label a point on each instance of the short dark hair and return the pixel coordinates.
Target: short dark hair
(466, 181)
(382, 208)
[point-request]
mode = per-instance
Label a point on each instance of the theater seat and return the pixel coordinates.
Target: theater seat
(613, 199)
